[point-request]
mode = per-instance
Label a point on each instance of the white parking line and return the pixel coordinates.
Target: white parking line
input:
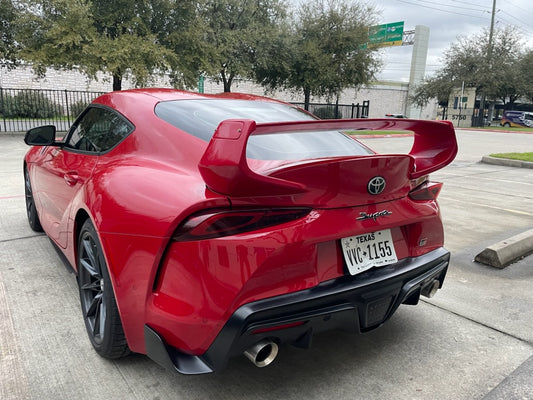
(504, 180)
(445, 198)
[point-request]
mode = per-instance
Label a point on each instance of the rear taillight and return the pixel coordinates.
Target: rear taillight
(215, 224)
(426, 191)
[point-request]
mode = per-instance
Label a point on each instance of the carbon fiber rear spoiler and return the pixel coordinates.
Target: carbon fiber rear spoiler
(225, 170)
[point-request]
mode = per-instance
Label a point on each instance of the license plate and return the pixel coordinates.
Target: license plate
(363, 252)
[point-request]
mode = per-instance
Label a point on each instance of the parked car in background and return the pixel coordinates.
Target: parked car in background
(517, 119)
(203, 227)
(395, 116)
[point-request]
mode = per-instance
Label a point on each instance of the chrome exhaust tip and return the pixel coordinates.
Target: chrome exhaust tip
(262, 353)
(431, 289)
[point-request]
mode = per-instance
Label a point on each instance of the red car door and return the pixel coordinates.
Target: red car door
(64, 170)
(61, 175)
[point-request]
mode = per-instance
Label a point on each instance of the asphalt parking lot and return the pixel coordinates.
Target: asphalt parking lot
(474, 340)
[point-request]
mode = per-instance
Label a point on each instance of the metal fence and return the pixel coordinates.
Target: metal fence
(23, 109)
(466, 118)
(338, 111)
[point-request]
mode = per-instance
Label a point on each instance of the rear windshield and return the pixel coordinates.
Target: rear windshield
(200, 117)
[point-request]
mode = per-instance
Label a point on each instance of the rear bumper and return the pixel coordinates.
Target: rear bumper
(354, 303)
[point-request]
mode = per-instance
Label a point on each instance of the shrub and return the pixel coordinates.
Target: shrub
(29, 104)
(7, 106)
(326, 112)
(77, 108)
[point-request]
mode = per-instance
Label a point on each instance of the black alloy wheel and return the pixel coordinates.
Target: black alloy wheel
(98, 304)
(31, 211)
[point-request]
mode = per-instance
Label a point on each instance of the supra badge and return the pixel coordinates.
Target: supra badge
(363, 215)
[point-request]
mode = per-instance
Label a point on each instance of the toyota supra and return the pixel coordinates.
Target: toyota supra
(204, 227)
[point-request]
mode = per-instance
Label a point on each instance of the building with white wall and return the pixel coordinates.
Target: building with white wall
(384, 97)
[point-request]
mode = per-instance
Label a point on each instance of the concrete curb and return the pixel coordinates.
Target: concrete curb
(12, 133)
(507, 162)
(503, 253)
(517, 385)
(495, 130)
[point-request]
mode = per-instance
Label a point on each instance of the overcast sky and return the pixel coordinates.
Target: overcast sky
(447, 19)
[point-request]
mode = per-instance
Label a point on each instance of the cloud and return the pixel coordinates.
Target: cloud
(446, 20)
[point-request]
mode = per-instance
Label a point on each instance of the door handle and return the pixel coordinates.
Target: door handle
(71, 178)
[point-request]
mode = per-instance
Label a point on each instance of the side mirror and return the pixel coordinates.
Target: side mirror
(41, 136)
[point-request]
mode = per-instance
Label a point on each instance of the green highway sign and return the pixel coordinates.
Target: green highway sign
(386, 35)
(201, 80)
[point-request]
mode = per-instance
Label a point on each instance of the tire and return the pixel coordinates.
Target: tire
(507, 125)
(31, 211)
(98, 305)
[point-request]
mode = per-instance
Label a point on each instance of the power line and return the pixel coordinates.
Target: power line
(469, 3)
(513, 17)
(440, 9)
(524, 31)
(455, 7)
(520, 8)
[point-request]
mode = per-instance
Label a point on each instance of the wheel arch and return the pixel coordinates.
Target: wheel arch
(79, 220)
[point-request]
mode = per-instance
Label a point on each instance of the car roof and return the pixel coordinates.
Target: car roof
(164, 94)
(130, 102)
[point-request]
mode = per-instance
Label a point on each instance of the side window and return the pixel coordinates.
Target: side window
(98, 130)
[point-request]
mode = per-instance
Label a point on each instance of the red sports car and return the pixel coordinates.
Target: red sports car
(202, 227)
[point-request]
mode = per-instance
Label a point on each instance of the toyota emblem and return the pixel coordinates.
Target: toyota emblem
(376, 185)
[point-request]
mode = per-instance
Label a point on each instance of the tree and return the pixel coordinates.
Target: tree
(8, 44)
(99, 35)
(467, 62)
(178, 27)
(436, 87)
(509, 83)
(234, 31)
(526, 72)
(502, 71)
(322, 51)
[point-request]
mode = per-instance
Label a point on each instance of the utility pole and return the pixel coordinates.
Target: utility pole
(489, 63)
(491, 32)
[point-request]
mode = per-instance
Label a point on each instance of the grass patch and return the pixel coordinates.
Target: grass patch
(515, 156)
(503, 128)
